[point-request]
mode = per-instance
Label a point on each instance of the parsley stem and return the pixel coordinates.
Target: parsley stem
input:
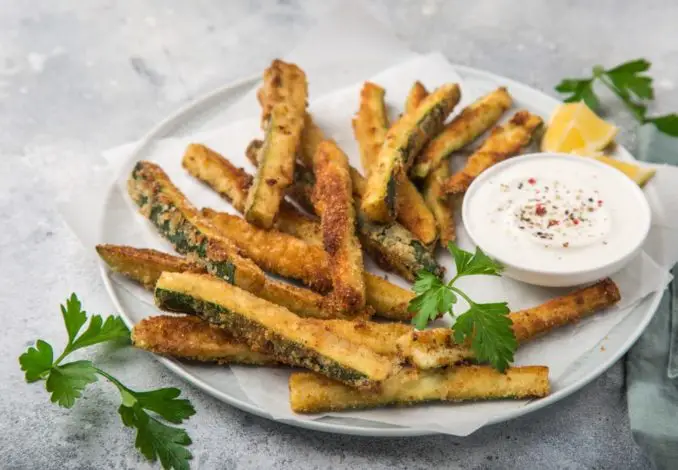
(463, 295)
(63, 355)
(624, 99)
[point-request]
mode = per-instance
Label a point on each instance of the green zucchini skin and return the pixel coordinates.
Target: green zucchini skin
(403, 141)
(181, 293)
(181, 224)
(393, 246)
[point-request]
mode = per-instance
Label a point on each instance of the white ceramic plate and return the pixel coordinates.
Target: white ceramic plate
(206, 113)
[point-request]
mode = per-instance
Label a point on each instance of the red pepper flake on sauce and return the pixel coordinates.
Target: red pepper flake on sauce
(600, 202)
(575, 221)
(532, 181)
(540, 210)
(552, 222)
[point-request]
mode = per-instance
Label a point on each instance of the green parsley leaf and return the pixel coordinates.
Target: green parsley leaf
(667, 124)
(473, 264)
(67, 382)
(164, 402)
(100, 331)
(631, 86)
(489, 327)
(157, 440)
(579, 90)
(74, 316)
(36, 361)
(632, 67)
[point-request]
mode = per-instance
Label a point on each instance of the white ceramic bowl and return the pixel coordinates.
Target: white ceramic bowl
(598, 263)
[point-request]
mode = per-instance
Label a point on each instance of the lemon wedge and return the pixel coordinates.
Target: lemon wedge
(637, 173)
(574, 127)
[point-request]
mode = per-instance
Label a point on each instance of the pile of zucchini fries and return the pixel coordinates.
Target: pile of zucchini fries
(397, 213)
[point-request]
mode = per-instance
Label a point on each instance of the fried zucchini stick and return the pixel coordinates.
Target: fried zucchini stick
(283, 83)
(333, 200)
(392, 246)
(473, 121)
(440, 203)
(504, 142)
(146, 265)
(276, 165)
(283, 98)
(274, 251)
(417, 94)
(194, 339)
(436, 347)
(437, 201)
(313, 393)
(370, 126)
(387, 299)
(233, 183)
(180, 223)
(403, 141)
(273, 330)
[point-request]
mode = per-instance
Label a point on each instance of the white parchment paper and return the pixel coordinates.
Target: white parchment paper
(267, 387)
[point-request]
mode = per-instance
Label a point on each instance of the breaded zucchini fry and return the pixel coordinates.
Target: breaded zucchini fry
(194, 339)
(403, 141)
(283, 83)
(283, 98)
(313, 393)
(473, 121)
(233, 183)
(387, 299)
(190, 337)
(440, 203)
(370, 124)
(391, 245)
(379, 337)
(276, 164)
(273, 330)
(415, 97)
(333, 200)
(504, 142)
(388, 252)
(180, 223)
(436, 347)
(274, 251)
(144, 265)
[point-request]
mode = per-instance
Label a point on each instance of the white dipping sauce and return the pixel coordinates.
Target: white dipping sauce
(554, 214)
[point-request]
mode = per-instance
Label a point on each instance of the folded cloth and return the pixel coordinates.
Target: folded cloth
(652, 364)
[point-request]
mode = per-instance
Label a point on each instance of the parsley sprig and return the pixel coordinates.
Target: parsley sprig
(630, 84)
(487, 326)
(66, 382)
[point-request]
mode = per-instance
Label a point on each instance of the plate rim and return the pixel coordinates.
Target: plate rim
(318, 425)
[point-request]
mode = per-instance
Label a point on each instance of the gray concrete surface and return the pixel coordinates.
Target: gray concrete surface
(78, 77)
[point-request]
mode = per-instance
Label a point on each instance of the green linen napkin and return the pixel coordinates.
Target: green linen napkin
(652, 364)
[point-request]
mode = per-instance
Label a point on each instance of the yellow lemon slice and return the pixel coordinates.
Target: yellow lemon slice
(637, 173)
(575, 127)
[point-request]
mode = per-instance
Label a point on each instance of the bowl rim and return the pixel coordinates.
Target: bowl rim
(615, 173)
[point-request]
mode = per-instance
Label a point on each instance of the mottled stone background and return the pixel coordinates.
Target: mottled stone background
(77, 77)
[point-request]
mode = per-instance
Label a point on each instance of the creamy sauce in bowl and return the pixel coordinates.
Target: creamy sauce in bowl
(554, 213)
